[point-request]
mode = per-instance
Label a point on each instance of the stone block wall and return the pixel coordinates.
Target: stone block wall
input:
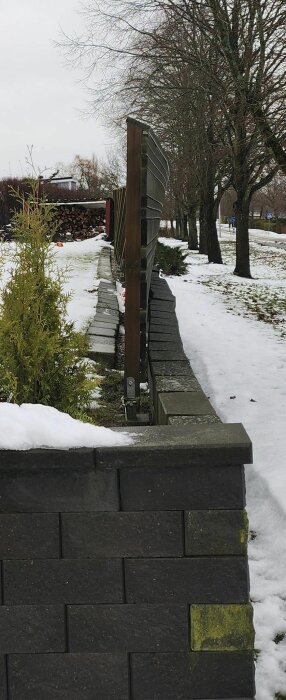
(177, 395)
(124, 571)
(103, 329)
(213, 530)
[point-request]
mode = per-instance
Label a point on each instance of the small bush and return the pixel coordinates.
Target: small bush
(41, 356)
(170, 260)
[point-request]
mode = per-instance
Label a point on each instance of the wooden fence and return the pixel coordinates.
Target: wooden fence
(147, 177)
(119, 198)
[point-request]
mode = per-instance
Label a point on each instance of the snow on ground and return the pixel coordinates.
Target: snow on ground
(44, 426)
(240, 362)
(80, 260)
(77, 261)
(173, 243)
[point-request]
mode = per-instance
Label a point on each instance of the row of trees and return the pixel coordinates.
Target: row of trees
(210, 76)
(271, 198)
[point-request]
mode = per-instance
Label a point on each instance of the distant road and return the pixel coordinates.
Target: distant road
(263, 238)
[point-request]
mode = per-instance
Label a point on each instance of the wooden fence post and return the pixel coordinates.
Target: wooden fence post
(133, 269)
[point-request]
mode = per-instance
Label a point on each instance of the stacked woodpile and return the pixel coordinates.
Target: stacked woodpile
(80, 222)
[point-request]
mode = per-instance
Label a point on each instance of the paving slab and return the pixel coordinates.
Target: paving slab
(108, 318)
(104, 321)
(102, 331)
(106, 311)
(102, 340)
(176, 446)
(101, 344)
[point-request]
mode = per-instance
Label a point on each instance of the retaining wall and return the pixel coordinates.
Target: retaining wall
(124, 571)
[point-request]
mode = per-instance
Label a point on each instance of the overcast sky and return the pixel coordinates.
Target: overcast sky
(41, 98)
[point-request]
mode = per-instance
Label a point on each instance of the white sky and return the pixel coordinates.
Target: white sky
(41, 98)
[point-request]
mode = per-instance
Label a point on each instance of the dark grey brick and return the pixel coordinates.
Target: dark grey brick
(122, 535)
(162, 305)
(182, 403)
(58, 490)
(161, 345)
(3, 679)
(63, 581)
(216, 532)
(170, 368)
(161, 293)
(193, 420)
(160, 336)
(46, 459)
(189, 580)
(196, 675)
(177, 488)
(161, 313)
(68, 677)
(32, 629)
(167, 384)
(161, 321)
(25, 535)
(168, 355)
(104, 628)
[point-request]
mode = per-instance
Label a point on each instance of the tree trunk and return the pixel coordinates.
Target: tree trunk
(185, 227)
(203, 248)
(208, 201)
(214, 253)
(209, 224)
(179, 223)
(242, 267)
(242, 188)
(193, 232)
(172, 226)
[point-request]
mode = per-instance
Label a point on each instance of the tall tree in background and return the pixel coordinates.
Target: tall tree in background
(247, 39)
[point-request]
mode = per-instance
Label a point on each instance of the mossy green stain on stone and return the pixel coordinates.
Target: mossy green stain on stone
(216, 532)
(222, 628)
(244, 530)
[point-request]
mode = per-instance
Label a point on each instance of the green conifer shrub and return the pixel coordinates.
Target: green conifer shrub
(170, 260)
(41, 355)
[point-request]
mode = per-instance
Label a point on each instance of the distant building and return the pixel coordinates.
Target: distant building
(67, 183)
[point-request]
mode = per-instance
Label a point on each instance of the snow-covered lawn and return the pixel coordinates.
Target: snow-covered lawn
(233, 334)
(77, 261)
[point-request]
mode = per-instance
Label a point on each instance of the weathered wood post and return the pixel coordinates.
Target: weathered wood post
(147, 176)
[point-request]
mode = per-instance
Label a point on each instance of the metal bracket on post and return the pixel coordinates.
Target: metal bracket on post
(130, 389)
(130, 399)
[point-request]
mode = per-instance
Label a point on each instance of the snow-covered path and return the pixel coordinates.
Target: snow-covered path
(241, 364)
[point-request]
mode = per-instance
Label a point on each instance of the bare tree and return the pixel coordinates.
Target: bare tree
(245, 40)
